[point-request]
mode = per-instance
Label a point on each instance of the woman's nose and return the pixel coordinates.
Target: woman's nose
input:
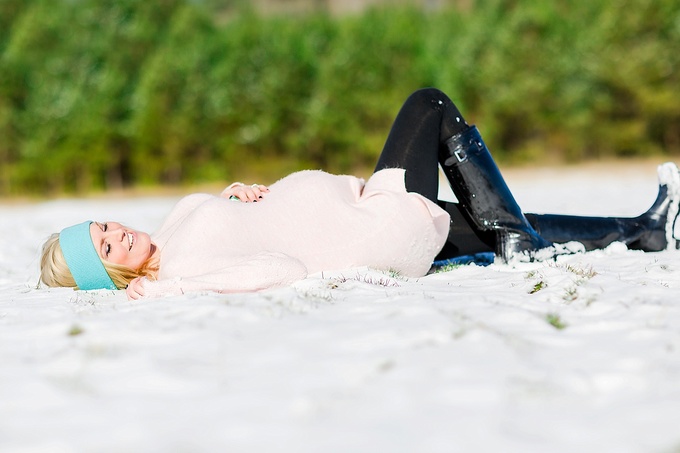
(116, 233)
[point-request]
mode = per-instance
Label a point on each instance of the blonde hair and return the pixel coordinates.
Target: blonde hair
(55, 272)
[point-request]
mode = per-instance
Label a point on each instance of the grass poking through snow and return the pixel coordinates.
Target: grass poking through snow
(555, 321)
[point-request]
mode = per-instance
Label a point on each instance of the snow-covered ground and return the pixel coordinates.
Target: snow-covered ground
(582, 354)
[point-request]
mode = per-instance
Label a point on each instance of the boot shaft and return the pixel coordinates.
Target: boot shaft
(477, 182)
(484, 196)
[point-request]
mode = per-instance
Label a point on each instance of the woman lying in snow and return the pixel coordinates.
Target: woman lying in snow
(255, 237)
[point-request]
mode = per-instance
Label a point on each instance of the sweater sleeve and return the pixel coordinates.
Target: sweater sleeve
(236, 274)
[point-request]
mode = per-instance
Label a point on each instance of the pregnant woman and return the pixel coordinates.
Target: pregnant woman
(253, 237)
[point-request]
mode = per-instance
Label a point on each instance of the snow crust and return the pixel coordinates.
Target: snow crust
(581, 354)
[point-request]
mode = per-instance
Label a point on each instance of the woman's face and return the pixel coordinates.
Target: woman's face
(121, 245)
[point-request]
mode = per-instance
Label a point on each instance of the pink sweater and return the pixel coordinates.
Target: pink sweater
(310, 221)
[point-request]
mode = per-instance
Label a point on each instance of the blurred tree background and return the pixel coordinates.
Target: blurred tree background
(98, 94)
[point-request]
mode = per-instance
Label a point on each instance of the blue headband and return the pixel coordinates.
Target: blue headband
(82, 259)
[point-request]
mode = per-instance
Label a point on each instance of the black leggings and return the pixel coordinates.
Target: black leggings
(427, 119)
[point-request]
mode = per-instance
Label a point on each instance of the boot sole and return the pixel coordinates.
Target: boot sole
(669, 175)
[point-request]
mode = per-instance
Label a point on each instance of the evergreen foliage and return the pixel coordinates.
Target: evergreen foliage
(106, 94)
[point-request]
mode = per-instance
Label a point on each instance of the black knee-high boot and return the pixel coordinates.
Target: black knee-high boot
(652, 231)
(655, 230)
(484, 196)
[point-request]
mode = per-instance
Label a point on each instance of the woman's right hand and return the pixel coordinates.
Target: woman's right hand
(135, 289)
(245, 193)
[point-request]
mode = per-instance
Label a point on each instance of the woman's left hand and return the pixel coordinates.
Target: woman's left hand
(245, 193)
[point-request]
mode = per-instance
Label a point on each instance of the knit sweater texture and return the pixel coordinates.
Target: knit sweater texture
(310, 221)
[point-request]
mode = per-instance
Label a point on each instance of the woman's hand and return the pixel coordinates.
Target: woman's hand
(245, 193)
(135, 289)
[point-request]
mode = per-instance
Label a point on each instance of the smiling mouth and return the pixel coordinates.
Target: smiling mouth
(131, 240)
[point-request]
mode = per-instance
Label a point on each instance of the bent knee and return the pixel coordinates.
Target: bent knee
(432, 97)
